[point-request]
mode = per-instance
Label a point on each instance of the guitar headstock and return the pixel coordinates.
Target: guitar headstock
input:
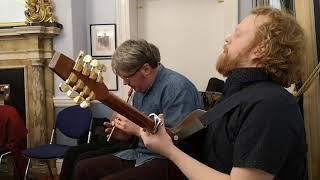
(83, 80)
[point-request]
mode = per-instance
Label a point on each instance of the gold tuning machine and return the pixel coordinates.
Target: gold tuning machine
(74, 91)
(85, 69)
(84, 93)
(78, 63)
(88, 100)
(65, 86)
(101, 68)
(94, 64)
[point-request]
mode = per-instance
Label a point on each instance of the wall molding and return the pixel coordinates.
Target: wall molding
(125, 18)
(66, 102)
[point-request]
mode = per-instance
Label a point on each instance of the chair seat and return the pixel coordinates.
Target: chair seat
(47, 151)
(3, 150)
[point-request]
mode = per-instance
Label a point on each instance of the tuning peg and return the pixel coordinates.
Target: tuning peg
(74, 91)
(65, 86)
(94, 64)
(84, 93)
(85, 70)
(88, 100)
(78, 99)
(101, 68)
(78, 63)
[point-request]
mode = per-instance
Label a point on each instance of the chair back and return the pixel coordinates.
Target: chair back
(74, 121)
(3, 150)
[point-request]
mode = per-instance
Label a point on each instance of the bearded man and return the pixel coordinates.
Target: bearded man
(256, 130)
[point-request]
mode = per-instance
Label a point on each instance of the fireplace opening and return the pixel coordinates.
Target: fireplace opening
(14, 79)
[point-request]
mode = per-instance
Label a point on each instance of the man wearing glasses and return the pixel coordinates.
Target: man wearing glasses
(157, 90)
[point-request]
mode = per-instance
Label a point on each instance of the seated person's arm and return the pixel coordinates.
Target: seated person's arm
(193, 169)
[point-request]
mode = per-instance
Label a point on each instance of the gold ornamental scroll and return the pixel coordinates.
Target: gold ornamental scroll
(39, 11)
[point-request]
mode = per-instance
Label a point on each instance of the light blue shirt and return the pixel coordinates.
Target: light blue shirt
(171, 94)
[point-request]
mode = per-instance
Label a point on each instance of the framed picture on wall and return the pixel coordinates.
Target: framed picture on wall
(109, 78)
(103, 39)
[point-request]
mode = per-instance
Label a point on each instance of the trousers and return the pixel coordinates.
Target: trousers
(110, 167)
(84, 151)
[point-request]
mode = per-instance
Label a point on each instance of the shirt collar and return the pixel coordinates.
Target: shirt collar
(241, 77)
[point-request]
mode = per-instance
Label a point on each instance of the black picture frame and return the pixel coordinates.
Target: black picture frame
(103, 39)
(110, 79)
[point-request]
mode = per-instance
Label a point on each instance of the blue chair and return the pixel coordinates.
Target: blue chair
(73, 122)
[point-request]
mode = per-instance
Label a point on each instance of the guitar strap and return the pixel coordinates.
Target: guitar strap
(225, 105)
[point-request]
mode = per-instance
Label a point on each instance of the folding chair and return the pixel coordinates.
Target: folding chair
(3, 152)
(74, 122)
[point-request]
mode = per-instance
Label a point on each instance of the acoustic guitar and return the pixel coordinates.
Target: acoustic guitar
(83, 81)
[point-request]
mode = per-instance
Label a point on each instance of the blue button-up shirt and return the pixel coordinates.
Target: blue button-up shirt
(171, 94)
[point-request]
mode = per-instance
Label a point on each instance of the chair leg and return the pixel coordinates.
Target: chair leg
(27, 169)
(50, 171)
(2, 155)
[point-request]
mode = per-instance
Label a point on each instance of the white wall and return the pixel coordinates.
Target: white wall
(99, 12)
(245, 7)
(189, 33)
(12, 11)
(76, 16)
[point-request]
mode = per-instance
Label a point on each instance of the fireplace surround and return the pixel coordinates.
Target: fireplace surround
(30, 48)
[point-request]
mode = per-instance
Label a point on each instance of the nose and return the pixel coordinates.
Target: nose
(227, 39)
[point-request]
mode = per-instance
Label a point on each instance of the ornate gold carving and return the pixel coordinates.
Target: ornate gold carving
(39, 11)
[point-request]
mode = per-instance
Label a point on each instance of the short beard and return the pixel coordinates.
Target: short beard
(225, 65)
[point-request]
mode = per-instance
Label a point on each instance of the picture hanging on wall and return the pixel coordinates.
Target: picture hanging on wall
(103, 39)
(109, 78)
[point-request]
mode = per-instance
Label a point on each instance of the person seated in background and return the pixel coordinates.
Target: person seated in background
(13, 136)
(256, 130)
(215, 84)
(213, 92)
(157, 89)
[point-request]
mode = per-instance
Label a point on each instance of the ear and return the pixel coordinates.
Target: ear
(259, 51)
(146, 69)
(256, 54)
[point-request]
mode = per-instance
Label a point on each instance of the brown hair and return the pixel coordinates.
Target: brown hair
(283, 42)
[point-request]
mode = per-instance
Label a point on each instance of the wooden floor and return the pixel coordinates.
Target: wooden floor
(10, 177)
(6, 172)
(47, 178)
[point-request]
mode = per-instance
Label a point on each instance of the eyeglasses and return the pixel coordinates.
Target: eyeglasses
(127, 78)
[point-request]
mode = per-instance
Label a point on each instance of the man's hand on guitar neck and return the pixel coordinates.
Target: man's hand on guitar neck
(159, 142)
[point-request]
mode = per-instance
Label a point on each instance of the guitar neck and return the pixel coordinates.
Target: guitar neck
(128, 111)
